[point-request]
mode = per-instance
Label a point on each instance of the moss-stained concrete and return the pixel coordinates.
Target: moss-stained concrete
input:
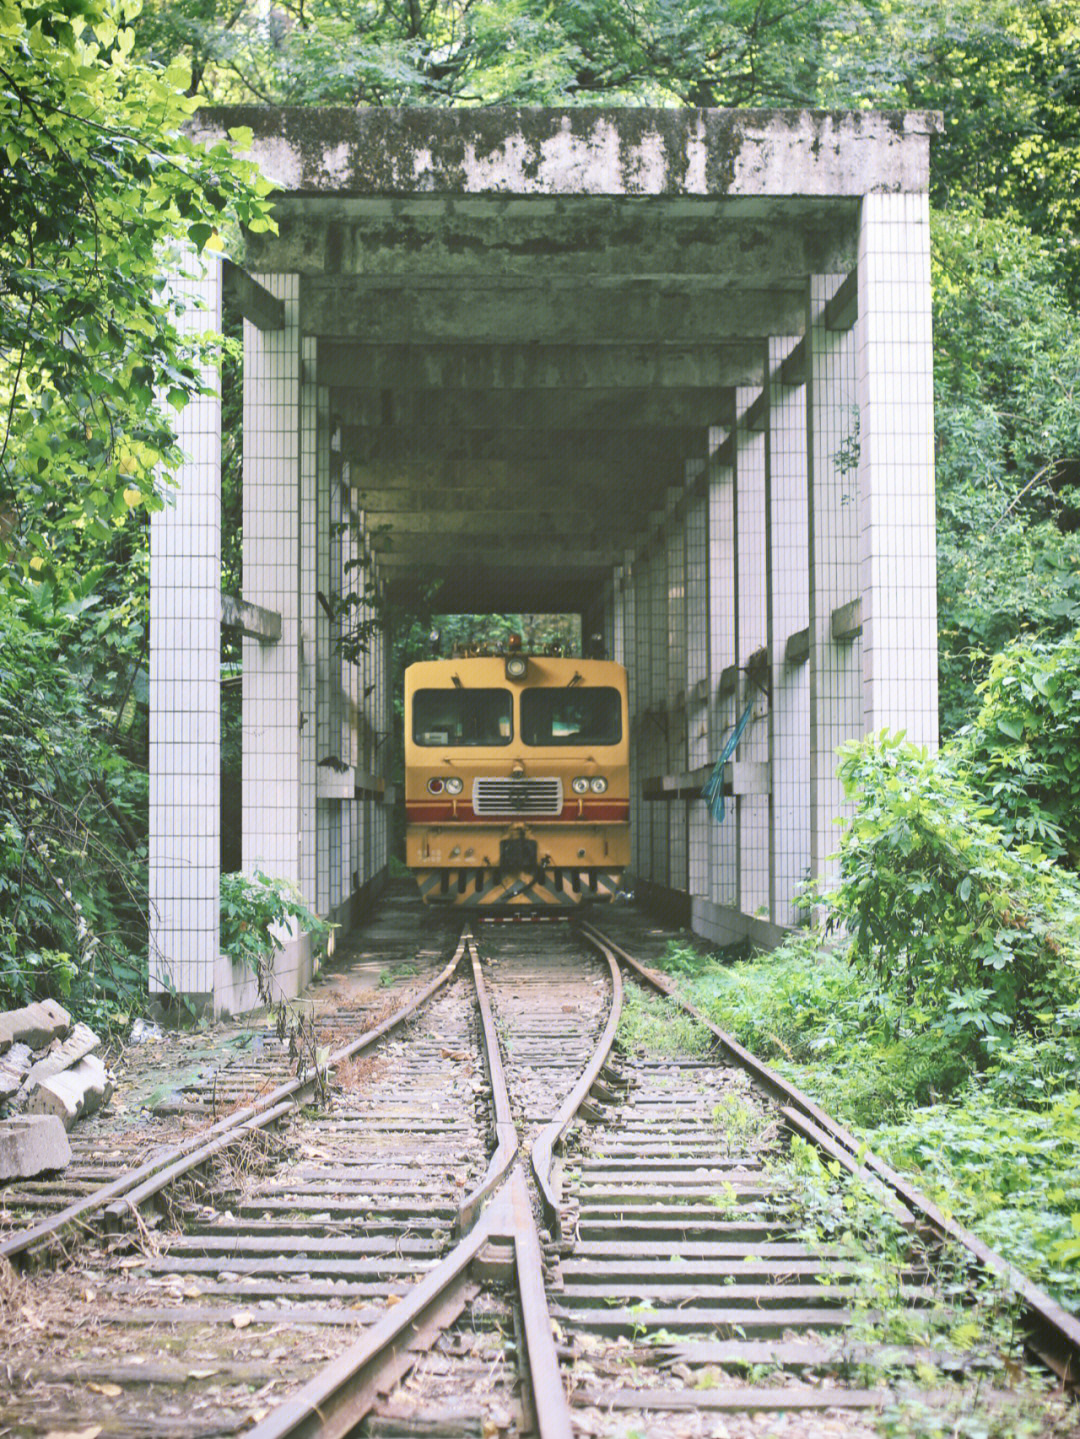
(634, 152)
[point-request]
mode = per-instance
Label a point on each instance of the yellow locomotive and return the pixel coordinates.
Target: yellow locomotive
(516, 780)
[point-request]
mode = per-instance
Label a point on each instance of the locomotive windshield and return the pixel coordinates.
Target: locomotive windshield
(463, 717)
(579, 716)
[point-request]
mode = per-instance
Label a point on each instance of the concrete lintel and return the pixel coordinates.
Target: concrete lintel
(729, 681)
(753, 419)
(740, 777)
(254, 302)
(792, 370)
(797, 649)
(370, 785)
(550, 151)
(444, 367)
(842, 310)
(847, 621)
(251, 620)
(333, 783)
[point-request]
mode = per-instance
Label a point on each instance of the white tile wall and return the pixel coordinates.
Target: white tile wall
(789, 612)
(185, 649)
(833, 432)
(897, 567)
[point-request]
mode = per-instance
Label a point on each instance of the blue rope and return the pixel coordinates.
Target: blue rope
(713, 793)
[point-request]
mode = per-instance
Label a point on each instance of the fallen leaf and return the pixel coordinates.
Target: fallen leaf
(111, 1391)
(90, 1296)
(201, 1373)
(456, 1054)
(192, 1292)
(30, 1317)
(134, 1261)
(242, 1319)
(392, 1299)
(258, 1415)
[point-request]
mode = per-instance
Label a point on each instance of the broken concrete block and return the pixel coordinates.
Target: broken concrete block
(14, 1067)
(80, 1042)
(31, 1145)
(73, 1093)
(36, 1025)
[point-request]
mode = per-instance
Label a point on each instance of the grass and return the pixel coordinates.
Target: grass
(997, 1147)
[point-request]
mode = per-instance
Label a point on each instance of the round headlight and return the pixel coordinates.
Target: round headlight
(598, 784)
(435, 786)
(580, 785)
(453, 784)
(517, 667)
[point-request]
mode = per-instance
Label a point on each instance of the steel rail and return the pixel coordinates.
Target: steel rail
(505, 1129)
(1055, 1336)
(544, 1144)
(135, 1186)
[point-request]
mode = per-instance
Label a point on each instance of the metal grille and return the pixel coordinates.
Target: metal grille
(517, 796)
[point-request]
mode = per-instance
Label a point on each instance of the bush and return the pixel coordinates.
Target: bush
(938, 910)
(253, 908)
(1023, 749)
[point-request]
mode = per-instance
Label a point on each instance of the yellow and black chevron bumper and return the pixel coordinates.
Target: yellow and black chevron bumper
(487, 889)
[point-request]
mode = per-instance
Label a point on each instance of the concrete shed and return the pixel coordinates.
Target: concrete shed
(670, 369)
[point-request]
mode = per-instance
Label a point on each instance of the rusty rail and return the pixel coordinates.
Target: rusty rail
(545, 1142)
(505, 1130)
(1054, 1333)
(136, 1186)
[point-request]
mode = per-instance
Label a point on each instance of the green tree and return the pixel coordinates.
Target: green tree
(99, 183)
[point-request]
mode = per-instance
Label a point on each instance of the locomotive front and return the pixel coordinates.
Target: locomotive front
(516, 780)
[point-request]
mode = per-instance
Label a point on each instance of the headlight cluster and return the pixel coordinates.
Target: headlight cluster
(583, 784)
(450, 785)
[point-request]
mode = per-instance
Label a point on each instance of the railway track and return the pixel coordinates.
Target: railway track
(492, 1222)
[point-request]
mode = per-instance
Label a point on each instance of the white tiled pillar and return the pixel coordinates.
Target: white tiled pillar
(752, 810)
(659, 863)
(185, 695)
(272, 705)
(723, 600)
(643, 732)
(896, 467)
(832, 419)
(629, 659)
(789, 613)
(697, 683)
(313, 420)
(675, 536)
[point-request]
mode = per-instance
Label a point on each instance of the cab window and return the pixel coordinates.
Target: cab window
(463, 717)
(579, 716)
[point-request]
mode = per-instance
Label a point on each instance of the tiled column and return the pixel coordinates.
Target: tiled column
(752, 810)
(894, 365)
(697, 683)
(327, 811)
(789, 613)
(271, 729)
(185, 696)
(629, 659)
(313, 420)
(832, 421)
(675, 535)
(659, 863)
(641, 745)
(723, 602)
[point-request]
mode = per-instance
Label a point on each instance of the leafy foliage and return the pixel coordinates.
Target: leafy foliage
(99, 182)
(72, 801)
(936, 906)
(255, 910)
(1024, 745)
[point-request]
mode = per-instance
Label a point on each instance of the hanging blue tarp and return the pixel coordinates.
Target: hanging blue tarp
(713, 793)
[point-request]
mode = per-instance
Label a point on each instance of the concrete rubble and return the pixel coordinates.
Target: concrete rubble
(50, 1077)
(32, 1144)
(74, 1092)
(37, 1025)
